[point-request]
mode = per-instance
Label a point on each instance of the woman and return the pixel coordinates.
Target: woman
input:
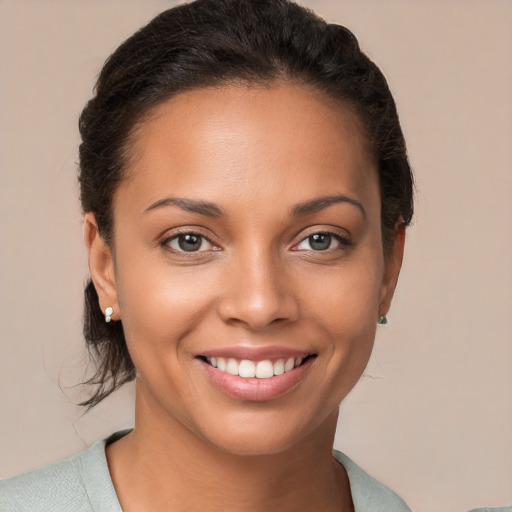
(246, 188)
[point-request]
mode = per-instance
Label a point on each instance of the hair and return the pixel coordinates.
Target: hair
(209, 43)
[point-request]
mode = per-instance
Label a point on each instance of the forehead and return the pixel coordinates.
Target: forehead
(252, 140)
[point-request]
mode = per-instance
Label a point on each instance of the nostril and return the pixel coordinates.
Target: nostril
(279, 320)
(256, 312)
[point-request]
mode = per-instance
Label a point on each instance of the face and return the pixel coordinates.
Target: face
(247, 267)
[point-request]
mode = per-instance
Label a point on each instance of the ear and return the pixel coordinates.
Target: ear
(101, 266)
(392, 266)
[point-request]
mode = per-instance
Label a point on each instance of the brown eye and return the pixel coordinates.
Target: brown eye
(189, 242)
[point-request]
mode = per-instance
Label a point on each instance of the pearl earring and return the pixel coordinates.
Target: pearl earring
(108, 314)
(382, 320)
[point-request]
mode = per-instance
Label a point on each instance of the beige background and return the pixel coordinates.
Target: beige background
(432, 418)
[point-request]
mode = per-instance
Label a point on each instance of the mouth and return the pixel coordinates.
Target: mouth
(262, 369)
(256, 375)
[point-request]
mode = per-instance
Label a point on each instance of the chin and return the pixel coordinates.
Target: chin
(263, 433)
(244, 443)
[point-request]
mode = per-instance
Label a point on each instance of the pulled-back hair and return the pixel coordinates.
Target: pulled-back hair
(210, 43)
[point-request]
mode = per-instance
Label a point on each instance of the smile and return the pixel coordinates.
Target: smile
(256, 375)
(247, 369)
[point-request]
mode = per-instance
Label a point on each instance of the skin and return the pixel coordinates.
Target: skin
(256, 153)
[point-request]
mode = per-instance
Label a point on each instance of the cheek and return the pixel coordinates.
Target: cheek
(345, 306)
(158, 305)
(160, 309)
(348, 296)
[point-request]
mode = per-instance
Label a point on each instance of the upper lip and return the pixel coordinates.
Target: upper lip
(255, 353)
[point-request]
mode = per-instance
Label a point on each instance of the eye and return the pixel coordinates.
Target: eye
(319, 242)
(189, 242)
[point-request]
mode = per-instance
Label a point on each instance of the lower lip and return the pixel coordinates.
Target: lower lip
(255, 389)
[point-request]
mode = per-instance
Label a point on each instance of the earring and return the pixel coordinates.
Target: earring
(382, 320)
(108, 314)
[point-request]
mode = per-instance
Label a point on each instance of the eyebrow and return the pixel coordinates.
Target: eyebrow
(212, 210)
(189, 205)
(320, 203)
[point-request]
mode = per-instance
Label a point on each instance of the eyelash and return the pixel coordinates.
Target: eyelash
(166, 242)
(343, 241)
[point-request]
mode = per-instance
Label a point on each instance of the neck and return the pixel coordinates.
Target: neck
(162, 465)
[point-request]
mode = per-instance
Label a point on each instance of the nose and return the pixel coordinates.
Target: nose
(258, 293)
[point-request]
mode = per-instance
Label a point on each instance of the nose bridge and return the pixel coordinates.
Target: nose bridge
(258, 293)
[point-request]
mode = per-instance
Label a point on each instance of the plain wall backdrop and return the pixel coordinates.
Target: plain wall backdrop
(432, 417)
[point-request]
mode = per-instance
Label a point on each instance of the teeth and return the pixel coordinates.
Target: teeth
(290, 363)
(248, 369)
(232, 366)
(279, 367)
(264, 370)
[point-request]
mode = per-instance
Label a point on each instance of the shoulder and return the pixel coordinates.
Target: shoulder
(56, 487)
(81, 483)
(494, 509)
(368, 494)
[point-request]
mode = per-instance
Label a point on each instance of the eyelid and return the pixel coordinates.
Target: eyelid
(338, 241)
(204, 241)
(186, 230)
(341, 235)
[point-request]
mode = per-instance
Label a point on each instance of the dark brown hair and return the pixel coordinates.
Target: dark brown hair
(210, 43)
